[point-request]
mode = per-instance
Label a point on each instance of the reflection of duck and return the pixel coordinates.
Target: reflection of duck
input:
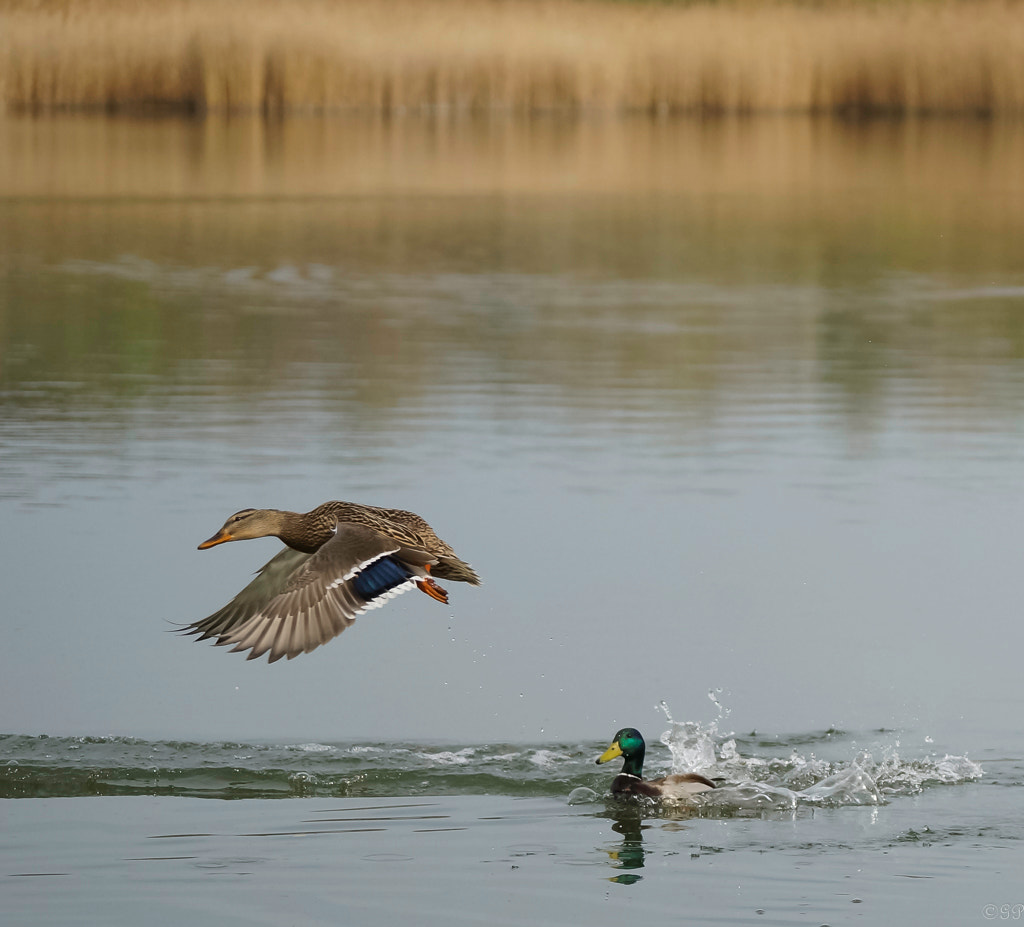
(629, 744)
(341, 559)
(631, 854)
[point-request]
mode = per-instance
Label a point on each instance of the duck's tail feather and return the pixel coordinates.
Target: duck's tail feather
(448, 567)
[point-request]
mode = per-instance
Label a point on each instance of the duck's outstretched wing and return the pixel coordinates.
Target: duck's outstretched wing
(358, 569)
(271, 580)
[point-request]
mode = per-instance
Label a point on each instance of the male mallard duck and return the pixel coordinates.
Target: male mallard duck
(341, 559)
(629, 744)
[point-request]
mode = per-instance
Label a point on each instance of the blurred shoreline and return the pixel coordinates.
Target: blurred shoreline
(535, 56)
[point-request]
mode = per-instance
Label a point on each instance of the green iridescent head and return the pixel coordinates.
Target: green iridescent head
(629, 744)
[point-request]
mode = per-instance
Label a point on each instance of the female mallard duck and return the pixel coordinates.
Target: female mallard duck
(341, 559)
(629, 744)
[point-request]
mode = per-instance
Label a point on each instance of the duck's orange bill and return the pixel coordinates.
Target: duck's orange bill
(613, 751)
(219, 538)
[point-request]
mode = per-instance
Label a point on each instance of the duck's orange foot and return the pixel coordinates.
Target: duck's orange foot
(433, 590)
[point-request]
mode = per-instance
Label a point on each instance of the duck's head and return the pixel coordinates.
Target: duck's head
(244, 525)
(629, 744)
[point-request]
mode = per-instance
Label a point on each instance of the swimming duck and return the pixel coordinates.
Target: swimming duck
(629, 744)
(340, 560)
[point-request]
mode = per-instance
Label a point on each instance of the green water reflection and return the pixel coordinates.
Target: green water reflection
(692, 269)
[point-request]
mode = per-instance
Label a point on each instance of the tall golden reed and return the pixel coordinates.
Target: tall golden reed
(869, 57)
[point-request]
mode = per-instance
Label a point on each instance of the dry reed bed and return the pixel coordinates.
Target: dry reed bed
(961, 56)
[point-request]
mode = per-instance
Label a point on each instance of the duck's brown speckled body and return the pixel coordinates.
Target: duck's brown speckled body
(341, 559)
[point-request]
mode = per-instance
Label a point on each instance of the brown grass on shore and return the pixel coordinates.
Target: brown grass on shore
(904, 57)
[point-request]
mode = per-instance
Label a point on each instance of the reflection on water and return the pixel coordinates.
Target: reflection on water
(682, 283)
(630, 855)
(83, 156)
(97, 354)
(520, 862)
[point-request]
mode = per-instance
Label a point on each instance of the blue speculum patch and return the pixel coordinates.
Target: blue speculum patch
(379, 577)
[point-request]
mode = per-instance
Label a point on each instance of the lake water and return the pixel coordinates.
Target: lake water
(727, 408)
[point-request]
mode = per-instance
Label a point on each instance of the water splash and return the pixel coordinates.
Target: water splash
(752, 783)
(850, 785)
(694, 746)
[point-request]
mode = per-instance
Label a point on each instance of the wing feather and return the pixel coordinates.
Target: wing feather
(300, 601)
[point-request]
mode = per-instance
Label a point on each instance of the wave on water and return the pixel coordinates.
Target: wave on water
(44, 766)
(755, 775)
